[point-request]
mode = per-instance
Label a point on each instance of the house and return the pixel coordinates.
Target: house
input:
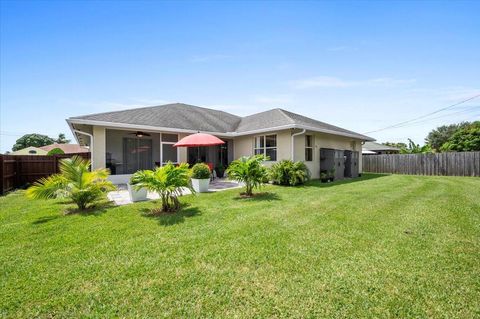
(43, 150)
(31, 150)
(66, 148)
(142, 138)
(372, 148)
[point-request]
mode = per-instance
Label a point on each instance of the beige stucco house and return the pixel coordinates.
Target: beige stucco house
(128, 140)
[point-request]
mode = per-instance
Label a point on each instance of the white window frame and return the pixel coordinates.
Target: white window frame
(162, 163)
(264, 148)
(312, 141)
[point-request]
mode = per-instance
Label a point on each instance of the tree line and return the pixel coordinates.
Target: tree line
(38, 140)
(460, 137)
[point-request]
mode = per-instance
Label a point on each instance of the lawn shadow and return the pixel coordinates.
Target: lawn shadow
(169, 219)
(45, 219)
(97, 210)
(364, 177)
(263, 196)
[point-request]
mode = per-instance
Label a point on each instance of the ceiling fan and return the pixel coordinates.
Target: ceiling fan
(140, 134)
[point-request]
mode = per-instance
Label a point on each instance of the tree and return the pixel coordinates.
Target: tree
(34, 139)
(248, 170)
(55, 151)
(464, 139)
(413, 148)
(167, 181)
(439, 136)
(76, 182)
(61, 139)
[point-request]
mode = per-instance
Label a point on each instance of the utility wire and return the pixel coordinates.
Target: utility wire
(423, 116)
(466, 111)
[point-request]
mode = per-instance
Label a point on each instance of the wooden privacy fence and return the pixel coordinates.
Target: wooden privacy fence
(443, 164)
(20, 170)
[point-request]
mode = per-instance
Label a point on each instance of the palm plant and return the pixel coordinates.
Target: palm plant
(168, 181)
(287, 172)
(248, 170)
(75, 181)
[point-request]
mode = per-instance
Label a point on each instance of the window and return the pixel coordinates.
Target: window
(266, 145)
(168, 152)
(32, 152)
(308, 148)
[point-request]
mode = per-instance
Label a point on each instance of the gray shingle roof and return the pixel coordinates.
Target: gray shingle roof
(372, 146)
(177, 115)
(190, 117)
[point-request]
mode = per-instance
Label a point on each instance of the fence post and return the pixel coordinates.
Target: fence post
(2, 182)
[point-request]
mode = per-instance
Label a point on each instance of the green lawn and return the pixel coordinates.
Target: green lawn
(381, 246)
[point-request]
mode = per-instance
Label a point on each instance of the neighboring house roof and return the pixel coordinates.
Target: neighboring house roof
(376, 147)
(31, 150)
(193, 118)
(66, 148)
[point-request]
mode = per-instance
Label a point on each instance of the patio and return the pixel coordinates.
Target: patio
(121, 197)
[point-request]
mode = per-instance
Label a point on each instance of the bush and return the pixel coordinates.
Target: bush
(289, 173)
(55, 151)
(75, 181)
(200, 171)
(248, 170)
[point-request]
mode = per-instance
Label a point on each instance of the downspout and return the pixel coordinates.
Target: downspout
(293, 143)
(91, 144)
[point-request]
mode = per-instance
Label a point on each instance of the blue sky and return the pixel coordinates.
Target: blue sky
(358, 65)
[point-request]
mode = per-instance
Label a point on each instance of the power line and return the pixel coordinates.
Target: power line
(465, 111)
(423, 116)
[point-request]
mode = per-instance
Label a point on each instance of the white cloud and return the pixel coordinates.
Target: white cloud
(334, 82)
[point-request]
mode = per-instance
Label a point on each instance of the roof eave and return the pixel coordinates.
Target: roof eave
(227, 134)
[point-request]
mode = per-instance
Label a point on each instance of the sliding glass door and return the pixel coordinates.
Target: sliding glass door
(137, 154)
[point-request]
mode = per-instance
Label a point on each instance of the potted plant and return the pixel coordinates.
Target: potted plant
(220, 170)
(324, 177)
(200, 177)
(331, 175)
(136, 193)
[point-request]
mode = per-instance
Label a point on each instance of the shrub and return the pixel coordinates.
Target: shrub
(200, 171)
(290, 173)
(248, 170)
(55, 151)
(167, 181)
(75, 181)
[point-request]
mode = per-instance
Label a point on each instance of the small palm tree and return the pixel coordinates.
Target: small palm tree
(168, 181)
(75, 181)
(248, 170)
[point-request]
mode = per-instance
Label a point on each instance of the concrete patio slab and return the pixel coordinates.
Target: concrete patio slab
(122, 197)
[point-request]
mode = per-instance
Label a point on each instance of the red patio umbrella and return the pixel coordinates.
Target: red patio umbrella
(197, 140)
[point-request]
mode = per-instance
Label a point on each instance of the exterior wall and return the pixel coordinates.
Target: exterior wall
(321, 140)
(243, 145)
(99, 147)
(26, 151)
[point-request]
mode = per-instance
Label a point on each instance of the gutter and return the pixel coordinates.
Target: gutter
(91, 144)
(293, 143)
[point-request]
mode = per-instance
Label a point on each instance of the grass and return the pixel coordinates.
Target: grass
(379, 246)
